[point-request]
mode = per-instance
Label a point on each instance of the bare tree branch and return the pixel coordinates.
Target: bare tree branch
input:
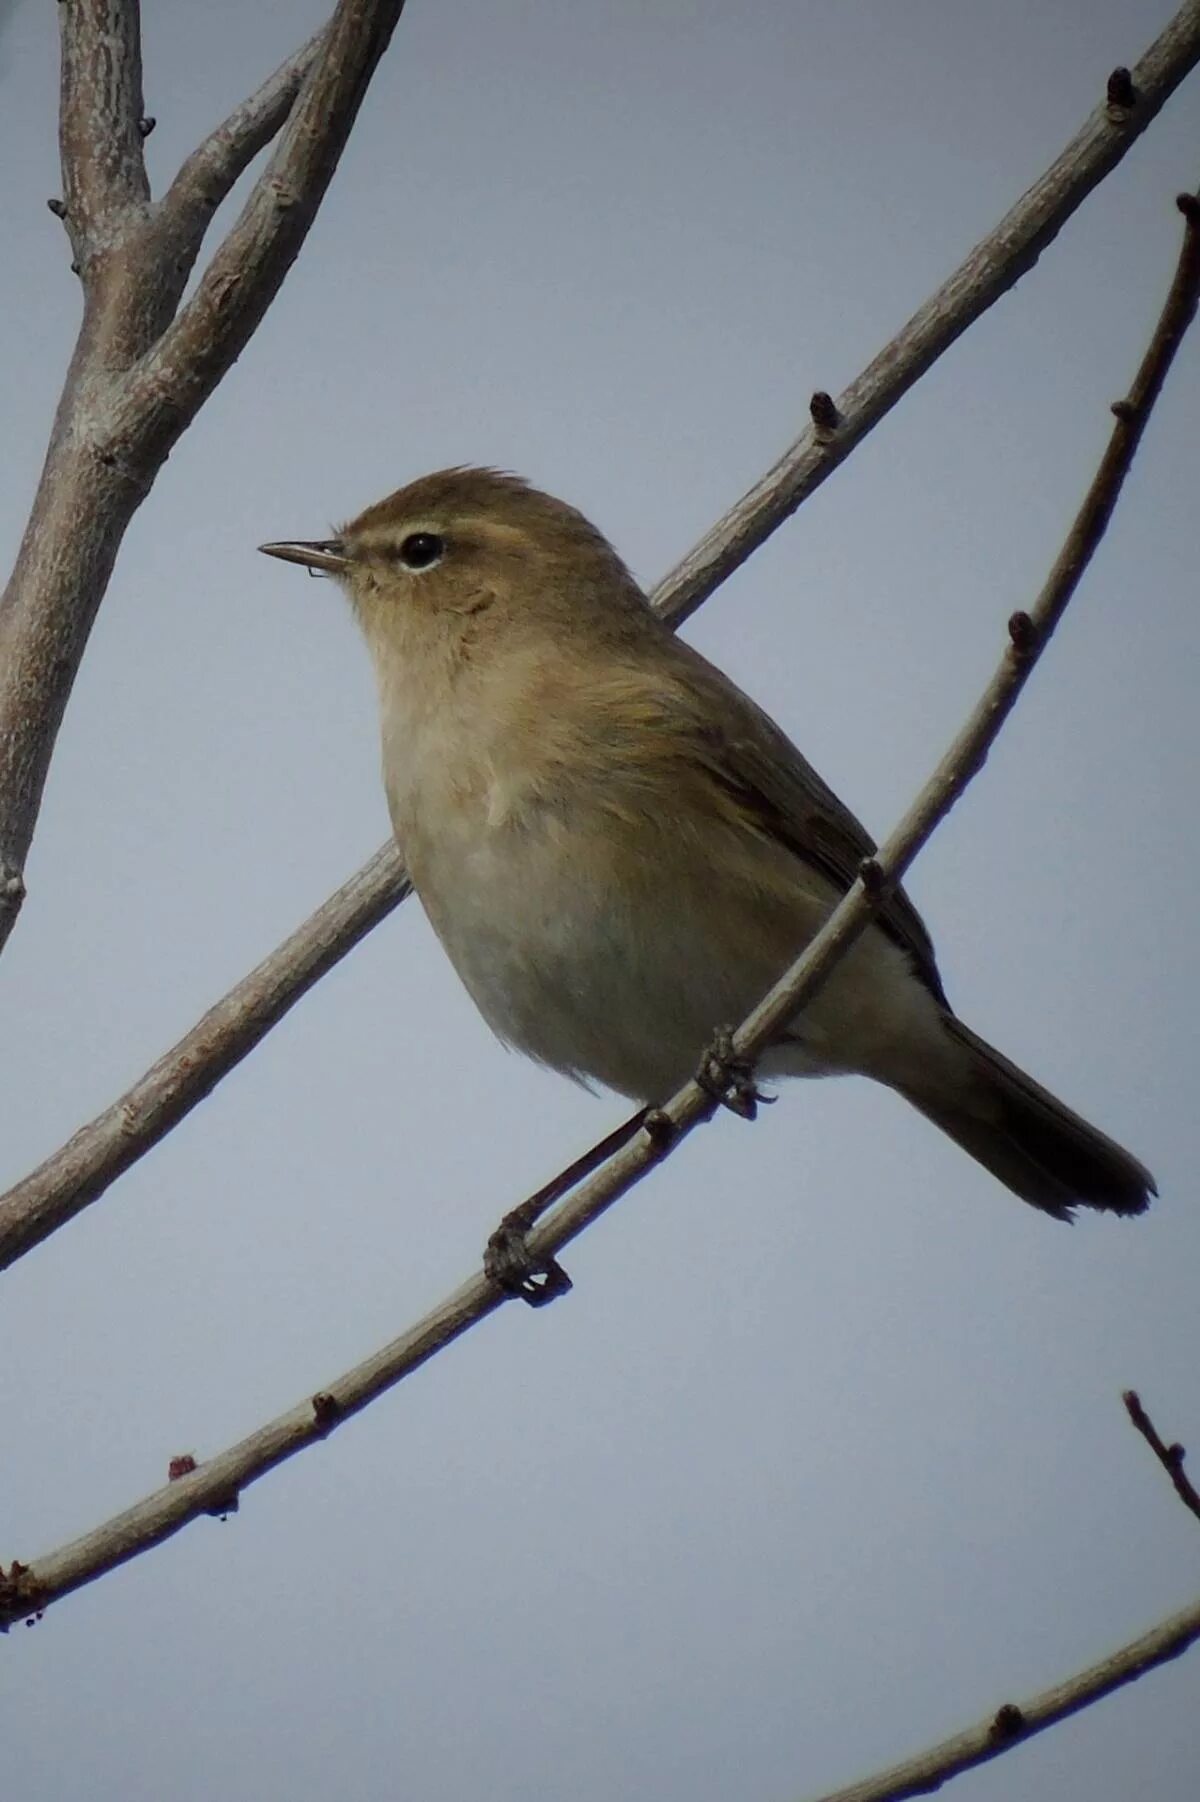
(215, 1486)
(82, 504)
(178, 374)
(98, 1153)
(100, 114)
(136, 380)
(993, 267)
(1013, 1723)
(211, 170)
(1171, 1457)
(32, 1210)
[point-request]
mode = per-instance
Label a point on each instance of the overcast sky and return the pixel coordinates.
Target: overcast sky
(824, 1457)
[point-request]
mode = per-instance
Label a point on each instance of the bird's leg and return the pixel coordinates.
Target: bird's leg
(729, 1078)
(507, 1261)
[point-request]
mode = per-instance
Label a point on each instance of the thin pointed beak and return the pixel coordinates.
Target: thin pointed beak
(320, 556)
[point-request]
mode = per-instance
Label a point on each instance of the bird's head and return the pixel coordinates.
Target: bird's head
(468, 559)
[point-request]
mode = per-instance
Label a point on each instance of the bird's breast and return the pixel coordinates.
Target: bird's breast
(528, 910)
(591, 945)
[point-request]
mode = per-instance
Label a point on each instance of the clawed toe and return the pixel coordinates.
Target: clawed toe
(729, 1078)
(507, 1263)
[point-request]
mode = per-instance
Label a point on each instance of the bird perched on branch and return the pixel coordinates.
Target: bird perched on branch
(619, 850)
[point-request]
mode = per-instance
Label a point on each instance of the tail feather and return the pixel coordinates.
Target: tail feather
(1035, 1145)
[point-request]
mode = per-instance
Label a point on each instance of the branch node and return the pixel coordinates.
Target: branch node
(1008, 1723)
(660, 1130)
(59, 207)
(1189, 206)
(146, 125)
(1124, 410)
(20, 1593)
(1023, 635)
(870, 874)
(327, 1411)
(1120, 95)
(823, 412)
(185, 1465)
(1171, 1457)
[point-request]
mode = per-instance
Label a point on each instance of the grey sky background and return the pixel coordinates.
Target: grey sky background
(825, 1456)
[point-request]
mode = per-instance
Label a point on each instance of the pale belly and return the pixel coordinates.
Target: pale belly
(624, 982)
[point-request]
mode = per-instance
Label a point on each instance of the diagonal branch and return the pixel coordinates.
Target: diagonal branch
(100, 1151)
(994, 266)
(207, 175)
(1013, 1723)
(35, 1208)
(214, 1487)
(1171, 1457)
(100, 112)
(210, 171)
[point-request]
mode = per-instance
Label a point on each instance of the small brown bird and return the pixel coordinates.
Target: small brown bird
(619, 850)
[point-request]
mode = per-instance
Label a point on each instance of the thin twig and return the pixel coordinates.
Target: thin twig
(28, 1212)
(218, 1483)
(994, 266)
(1015, 1722)
(98, 1153)
(1171, 1457)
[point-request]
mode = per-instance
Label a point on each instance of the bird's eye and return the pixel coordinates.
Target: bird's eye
(421, 549)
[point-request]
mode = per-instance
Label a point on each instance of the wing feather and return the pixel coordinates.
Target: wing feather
(760, 767)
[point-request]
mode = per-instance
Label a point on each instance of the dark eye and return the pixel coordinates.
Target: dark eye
(420, 549)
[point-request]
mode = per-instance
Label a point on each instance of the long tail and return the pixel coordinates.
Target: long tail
(1042, 1151)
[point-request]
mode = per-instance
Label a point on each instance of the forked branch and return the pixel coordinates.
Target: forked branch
(142, 368)
(178, 373)
(208, 174)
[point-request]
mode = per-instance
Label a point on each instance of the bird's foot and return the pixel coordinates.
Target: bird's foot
(729, 1077)
(508, 1262)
